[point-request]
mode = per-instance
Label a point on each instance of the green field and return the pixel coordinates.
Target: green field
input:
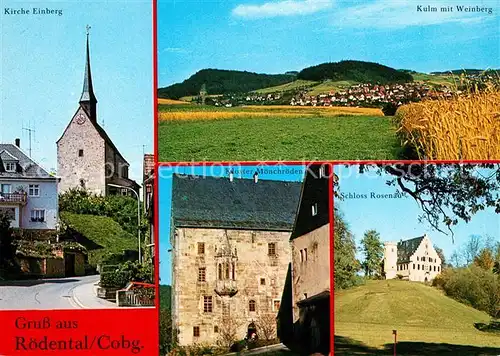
(427, 322)
(278, 138)
(297, 84)
(101, 235)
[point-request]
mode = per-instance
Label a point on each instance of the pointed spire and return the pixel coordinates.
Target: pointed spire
(88, 99)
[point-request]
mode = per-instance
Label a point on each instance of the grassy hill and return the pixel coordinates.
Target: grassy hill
(219, 81)
(101, 235)
(296, 84)
(427, 321)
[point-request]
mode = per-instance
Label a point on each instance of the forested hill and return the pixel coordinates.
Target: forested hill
(219, 81)
(357, 71)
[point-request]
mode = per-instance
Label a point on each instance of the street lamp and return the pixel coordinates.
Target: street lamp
(138, 215)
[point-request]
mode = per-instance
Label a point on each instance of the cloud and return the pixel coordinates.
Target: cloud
(281, 8)
(401, 14)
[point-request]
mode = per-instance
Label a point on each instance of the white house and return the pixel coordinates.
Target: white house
(27, 191)
(414, 259)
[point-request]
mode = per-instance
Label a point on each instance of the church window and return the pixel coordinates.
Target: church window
(202, 274)
(262, 281)
(233, 274)
(34, 190)
(80, 153)
(201, 248)
(271, 249)
(196, 331)
(251, 306)
(10, 167)
(207, 304)
(314, 209)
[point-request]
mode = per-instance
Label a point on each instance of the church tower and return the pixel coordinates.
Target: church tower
(88, 100)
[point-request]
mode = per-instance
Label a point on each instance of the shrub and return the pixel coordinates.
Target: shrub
(122, 209)
(390, 109)
(473, 286)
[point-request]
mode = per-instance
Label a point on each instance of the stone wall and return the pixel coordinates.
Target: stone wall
(54, 267)
(259, 277)
(310, 265)
(71, 167)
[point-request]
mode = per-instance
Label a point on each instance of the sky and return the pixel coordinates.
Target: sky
(397, 219)
(42, 68)
(295, 174)
(275, 36)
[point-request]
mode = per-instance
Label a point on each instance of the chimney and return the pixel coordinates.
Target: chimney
(231, 176)
(256, 177)
(18, 142)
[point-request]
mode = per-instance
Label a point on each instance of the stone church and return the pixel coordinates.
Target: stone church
(230, 255)
(86, 156)
(414, 260)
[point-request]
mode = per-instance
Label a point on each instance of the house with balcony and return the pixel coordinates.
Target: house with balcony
(28, 193)
(230, 255)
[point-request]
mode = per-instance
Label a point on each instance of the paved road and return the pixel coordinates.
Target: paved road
(53, 293)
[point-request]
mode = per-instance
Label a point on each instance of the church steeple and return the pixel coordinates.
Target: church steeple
(88, 100)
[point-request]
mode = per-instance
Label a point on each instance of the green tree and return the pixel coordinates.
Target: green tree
(372, 247)
(346, 265)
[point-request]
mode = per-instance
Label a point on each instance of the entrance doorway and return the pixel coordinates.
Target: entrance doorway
(69, 265)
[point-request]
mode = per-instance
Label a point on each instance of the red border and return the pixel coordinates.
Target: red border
(332, 261)
(156, 228)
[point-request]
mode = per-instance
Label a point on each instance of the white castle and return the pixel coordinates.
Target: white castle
(414, 260)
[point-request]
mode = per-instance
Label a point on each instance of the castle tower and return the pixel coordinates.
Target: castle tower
(390, 259)
(88, 100)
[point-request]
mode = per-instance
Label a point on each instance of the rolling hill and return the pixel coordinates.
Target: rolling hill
(426, 320)
(357, 71)
(219, 81)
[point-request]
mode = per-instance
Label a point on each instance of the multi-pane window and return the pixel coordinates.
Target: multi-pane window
(202, 274)
(196, 331)
(10, 167)
(38, 215)
(201, 248)
(208, 304)
(271, 249)
(251, 306)
(34, 190)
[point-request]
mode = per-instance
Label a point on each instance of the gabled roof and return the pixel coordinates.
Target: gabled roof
(239, 204)
(99, 129)
(26, 167)
(407, 248)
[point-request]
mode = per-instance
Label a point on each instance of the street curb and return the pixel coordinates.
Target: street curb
(76, 300)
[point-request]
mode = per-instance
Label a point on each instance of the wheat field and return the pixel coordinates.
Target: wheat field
(464, 128)
(263, 112)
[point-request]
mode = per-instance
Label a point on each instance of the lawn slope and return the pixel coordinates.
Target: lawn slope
(101, 235)
(427, 321)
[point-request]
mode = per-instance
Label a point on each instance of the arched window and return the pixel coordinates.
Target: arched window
(227, 270)
(233, 272)
(220, 271)
(251, 305)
